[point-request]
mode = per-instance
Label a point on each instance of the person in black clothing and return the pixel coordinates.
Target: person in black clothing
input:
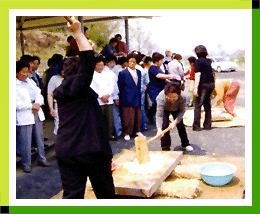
(82, 147)
(204, 85)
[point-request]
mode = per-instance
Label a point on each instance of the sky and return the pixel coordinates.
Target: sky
(181, 30)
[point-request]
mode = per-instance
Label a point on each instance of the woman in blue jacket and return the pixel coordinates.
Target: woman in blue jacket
(129, 85)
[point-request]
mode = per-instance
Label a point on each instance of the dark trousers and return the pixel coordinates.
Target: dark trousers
(151, 112)
(153, 93)
(108, 114)
(132, 118)
(166, 139)
(75, 170)
(204, 98)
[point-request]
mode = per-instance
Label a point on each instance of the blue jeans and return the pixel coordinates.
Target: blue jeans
(117, 120)
(24, 140)
(143, 122)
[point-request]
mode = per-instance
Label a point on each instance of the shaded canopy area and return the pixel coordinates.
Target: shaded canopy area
(36, 22)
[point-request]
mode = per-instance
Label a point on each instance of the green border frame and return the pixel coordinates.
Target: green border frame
(5, 5)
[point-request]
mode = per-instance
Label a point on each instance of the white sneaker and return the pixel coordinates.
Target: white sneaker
(188, 148)
(139, 134)
(127, 137)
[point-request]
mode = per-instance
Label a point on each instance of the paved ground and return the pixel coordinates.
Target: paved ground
(43, 183)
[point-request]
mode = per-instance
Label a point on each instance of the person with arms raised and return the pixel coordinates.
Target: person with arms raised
(82, 147)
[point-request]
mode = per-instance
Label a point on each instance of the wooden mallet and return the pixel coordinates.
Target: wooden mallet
(141, 145)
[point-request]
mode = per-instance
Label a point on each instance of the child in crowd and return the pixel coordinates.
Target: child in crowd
(191, 77)
(129, 84)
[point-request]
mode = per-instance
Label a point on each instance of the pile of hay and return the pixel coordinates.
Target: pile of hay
(182, 183)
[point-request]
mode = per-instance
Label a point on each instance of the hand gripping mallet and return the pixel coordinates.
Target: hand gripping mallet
(141, 145)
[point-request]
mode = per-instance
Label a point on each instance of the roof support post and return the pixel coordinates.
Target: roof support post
(80, 18)
(21, 34)
(22, 41)
(127, 32)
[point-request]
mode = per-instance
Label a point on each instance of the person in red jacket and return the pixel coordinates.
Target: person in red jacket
(121, 46)
(191, 77)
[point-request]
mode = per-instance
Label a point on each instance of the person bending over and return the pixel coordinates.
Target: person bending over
(171, 102)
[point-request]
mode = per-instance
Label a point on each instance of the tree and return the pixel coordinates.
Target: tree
(101, 32)
(140, 39)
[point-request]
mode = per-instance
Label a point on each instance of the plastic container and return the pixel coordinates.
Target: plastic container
(217, 173)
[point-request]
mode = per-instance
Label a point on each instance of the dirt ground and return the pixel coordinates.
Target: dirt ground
(233, 190)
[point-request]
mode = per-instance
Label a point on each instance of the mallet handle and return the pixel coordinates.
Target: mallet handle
(156, 136)
(68, 19)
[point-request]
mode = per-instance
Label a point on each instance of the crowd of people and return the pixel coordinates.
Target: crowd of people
(97, 97)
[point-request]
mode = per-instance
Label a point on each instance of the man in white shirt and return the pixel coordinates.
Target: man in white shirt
(29, 116)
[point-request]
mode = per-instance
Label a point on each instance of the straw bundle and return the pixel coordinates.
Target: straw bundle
(180, 188)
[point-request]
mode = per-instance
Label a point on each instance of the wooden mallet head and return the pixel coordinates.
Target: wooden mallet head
(142, 151)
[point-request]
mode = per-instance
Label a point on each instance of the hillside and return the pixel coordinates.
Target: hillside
(42, 44)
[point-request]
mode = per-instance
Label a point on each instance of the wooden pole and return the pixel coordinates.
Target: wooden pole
(142, 151)
(22, 41)
(21, 35)
(127, 32)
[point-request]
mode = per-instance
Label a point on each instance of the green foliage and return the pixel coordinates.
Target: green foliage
(54, 40)
(58, 30)
(63, 46)
(101, 32)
